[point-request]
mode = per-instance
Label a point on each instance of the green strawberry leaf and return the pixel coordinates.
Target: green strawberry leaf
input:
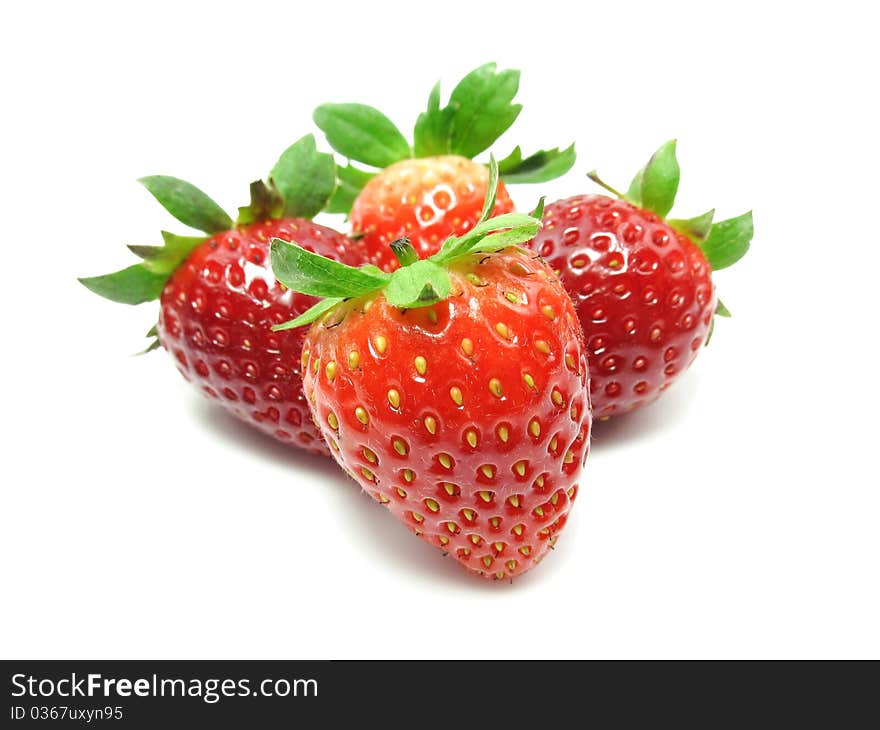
(720, 311)
(349, 183)
(154, 345)
(165, 259)
(362, 133)
(418, 285)
(455, 247)
(728, 241)
(659, 182)
(152, 335)
(187, 203)
(634, 192)
(266, 204)
(503, 239)
(538, 212)
(318, 276)
(133, 285)
(697, 229)
(483, 109)
(512, 161)
(491, 191)
(542, 166)
(310, 315)
(522, 227)
(146, 252)
(305, 178)
(433, 130)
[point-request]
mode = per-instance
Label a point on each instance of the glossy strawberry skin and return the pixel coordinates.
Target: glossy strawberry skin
(642, 291)
(426, 199)
(215, 317)
(468, 419)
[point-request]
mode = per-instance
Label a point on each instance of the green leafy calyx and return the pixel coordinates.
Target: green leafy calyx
(728, 241)
(144, 282)
(542, 166)
(417, 283)
(187, 203)
(165, 259)
(654, 188)
(266, 204)
(349, 182)
(133, 285)
(362, 133)
(300, 185)
(696, 228)
(480, 109)
(655, 185)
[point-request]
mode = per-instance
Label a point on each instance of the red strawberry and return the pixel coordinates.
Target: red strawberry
(642, 285)
(454, 391)
(440, 193)
(218, 298)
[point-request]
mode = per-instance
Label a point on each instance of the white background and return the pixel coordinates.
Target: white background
(738, 517)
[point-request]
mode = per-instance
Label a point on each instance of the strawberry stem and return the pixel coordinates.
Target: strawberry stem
(594, 176)
(404, 251)
(417, 283)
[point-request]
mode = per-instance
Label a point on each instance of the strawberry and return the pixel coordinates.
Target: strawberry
(642, 285)
(432, 189)
(443, 196)
(218, 297)
(453, 390)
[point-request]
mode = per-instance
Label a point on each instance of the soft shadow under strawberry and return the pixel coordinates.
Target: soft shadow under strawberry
(361, 517)
(649, 422)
